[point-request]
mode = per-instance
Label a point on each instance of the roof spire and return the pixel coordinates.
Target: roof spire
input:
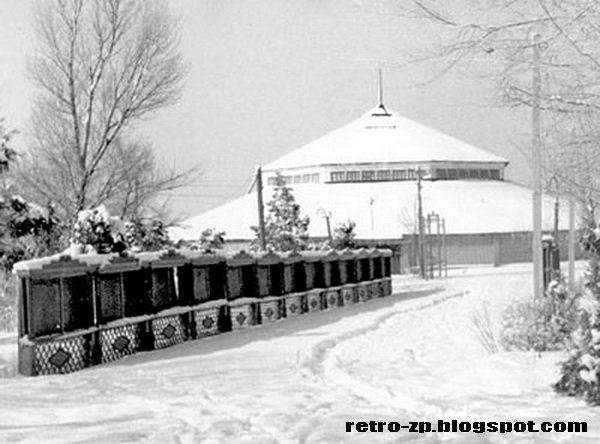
(380, 111)
(380, 89)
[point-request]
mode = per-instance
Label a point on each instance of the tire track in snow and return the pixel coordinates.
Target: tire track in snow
(331, 373)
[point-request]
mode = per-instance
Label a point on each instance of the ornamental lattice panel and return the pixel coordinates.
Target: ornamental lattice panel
(168, 331)
(348, 295)
(331, 299)
(363, 292)
(271, 311)
(372, 288)
(313, 300)
(61, 355)
(380, 288)
(242, 316)
(293, 305)
(206, 321)
(117, 342)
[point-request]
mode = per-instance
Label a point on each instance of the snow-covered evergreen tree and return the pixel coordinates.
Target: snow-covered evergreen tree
(26, 229)
(285, 228)
(580, 373)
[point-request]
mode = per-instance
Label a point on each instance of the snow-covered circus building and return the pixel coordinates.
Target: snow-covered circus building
(366, 171)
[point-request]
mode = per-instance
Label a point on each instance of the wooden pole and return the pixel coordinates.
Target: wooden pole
(429, 247)
(261, 209)
(537, 173)
(571, 245)
(329, 235)
(556, 217)
(380, 89)
(444, 248)
(421, 246)
(439, 245)
(94, 300)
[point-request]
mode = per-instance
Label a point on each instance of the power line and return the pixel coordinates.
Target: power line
(196, 196)
(213, 186)
(210, 182)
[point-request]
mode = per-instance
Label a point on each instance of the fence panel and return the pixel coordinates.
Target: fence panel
(44, 307)
(96, 309)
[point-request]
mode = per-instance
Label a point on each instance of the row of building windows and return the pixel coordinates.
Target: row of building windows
(452, 174)
(373, 175)
(411, 174)
(296, 179)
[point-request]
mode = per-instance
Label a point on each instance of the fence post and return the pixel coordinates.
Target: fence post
(497, 249)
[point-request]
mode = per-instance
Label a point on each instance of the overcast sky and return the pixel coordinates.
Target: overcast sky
(267, 76)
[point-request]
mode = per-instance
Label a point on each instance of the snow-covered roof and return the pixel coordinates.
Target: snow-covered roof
(475, 206)
(381, 135)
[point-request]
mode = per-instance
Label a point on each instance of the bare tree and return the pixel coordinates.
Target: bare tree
(129, 180)
(100, 67)
(132, 188)
(573, 158)
(492, 39)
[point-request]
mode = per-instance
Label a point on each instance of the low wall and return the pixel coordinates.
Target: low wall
(484, 248)
(77, 312)
(462, 249)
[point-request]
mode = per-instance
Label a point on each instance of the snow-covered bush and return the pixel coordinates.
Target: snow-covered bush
(210, 240)
(541, 324)
(317, 245)
(580, 372)
(146, 235)
(96, 231)
(28, 218)
(483, 328)
(343, 235)
(26, 230)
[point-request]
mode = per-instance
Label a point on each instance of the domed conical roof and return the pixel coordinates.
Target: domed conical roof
(383, 136)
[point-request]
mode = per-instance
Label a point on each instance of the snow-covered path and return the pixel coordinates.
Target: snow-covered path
(410, 357)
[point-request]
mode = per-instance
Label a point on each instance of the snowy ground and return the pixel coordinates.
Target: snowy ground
(410, 357)
(8, 355)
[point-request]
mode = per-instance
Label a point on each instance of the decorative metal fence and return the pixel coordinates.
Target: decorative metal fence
(76, 312)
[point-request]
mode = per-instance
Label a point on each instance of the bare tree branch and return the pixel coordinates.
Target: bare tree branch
(99, 66)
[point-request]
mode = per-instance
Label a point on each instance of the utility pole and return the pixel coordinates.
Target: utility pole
(537, 173)
(444, 249)
(429, 247)
(439, 243)
(261, 209)
(554, 180)
(556, 217)
(421, 243)
(322, 212)
(571, 245)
